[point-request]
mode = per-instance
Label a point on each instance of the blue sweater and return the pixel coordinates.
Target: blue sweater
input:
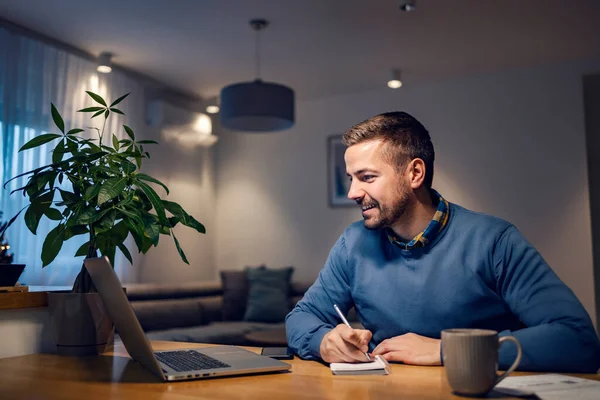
(479, 272)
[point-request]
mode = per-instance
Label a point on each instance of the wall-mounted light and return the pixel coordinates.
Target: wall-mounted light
(104, 63)
(395, 82)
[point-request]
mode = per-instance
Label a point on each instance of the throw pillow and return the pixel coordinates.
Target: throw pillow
(268, 294)
(235, 295)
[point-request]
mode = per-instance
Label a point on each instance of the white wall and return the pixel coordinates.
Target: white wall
(510, 144)
(188, 172)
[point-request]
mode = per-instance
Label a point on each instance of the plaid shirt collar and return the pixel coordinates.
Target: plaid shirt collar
(439, 221)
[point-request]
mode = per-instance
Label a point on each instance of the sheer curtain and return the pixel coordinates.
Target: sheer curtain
(32, 75)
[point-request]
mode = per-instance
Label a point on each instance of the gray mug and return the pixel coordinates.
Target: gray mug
(471, 359)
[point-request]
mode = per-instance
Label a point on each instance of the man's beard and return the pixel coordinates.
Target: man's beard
(386, 216)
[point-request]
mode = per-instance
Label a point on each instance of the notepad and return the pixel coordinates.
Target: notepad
(379, 366)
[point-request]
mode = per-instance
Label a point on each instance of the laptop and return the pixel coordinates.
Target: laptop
(172, 365)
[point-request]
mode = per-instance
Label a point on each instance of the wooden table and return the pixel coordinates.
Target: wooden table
(115, 376)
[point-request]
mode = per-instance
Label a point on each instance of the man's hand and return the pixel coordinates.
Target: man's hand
(410, 349)
(344, 344)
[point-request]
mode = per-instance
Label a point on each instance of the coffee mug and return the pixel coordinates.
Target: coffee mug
(471, 359)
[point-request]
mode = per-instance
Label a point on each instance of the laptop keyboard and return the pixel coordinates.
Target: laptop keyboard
(189, 360)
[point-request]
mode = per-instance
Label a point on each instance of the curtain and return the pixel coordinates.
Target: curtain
(32, 75)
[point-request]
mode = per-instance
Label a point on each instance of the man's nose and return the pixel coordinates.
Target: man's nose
(355, 193)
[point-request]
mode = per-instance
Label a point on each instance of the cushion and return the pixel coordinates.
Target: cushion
(268, 294)
(235, 293)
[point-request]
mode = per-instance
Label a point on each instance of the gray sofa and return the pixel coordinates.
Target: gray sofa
(192, 312)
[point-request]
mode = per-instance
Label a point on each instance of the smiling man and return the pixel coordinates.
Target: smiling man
(418, 264)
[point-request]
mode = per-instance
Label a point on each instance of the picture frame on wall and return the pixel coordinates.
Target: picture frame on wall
(338, 183)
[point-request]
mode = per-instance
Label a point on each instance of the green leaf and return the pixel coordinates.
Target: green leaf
(60, 178)
(119, 232)
(183, 216)
(135, 217)
(58, 152)
(129, 132)
(138, 162)
(125, 252)
(58, 121)
(128, 166)
(106, 114)
(120, 99)
(107, 221)
(91, 109)
(75, 230)
(32, 219)
(98, 113)
(155, 200)
(83, 250)
(53, 214)
(68, 197)
(151, 229)
(52, 244)
(147, 142)
(89, 215)
(96, 98)
(116, 110)
(34, 171)
(74, 131)
(148, 178)
(91, 192)
(111, 189)
(115, 142)
(181, 253)
(40, 140)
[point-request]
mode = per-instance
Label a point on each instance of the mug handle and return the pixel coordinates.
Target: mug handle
(515, 364)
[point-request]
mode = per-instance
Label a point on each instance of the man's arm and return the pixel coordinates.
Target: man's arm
(559, 335)
(314, 315)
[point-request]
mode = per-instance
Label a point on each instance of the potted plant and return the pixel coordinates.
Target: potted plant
(93, 187)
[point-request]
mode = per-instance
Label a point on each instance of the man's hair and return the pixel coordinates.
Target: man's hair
(405, 136)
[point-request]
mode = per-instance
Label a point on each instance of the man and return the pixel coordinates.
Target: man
(418, 265)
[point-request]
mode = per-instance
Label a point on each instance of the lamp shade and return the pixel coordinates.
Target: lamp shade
(257, 106)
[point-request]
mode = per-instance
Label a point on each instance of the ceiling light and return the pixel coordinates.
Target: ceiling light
(395, 82)
(104, 63)
(212, 109)
(257, 106)
(408, 6)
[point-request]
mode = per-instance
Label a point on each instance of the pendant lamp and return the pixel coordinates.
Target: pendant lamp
(257, 106)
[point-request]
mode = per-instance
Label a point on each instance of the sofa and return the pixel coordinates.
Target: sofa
(197, 312)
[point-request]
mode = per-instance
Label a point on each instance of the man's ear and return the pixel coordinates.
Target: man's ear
(416, 173)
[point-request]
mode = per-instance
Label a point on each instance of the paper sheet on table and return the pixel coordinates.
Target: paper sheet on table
(379, 366)
(550, 387)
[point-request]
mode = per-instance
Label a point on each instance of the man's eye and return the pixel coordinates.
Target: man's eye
(367, 178)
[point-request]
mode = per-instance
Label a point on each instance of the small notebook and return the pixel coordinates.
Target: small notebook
(379, 366)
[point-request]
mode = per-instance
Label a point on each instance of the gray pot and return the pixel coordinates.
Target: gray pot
(80, 323)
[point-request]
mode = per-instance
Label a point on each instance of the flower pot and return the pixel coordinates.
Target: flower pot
(80, 323)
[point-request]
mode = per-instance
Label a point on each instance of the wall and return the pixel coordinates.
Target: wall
(591, 90)
(510, 144)
(188, 172)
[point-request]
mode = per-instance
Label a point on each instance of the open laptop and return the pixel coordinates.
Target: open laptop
(170, 365)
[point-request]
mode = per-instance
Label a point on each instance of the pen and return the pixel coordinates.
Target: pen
(345, 321)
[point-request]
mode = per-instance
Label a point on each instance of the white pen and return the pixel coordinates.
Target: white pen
(345, 321)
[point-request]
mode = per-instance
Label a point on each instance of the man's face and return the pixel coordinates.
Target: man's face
(382, 192)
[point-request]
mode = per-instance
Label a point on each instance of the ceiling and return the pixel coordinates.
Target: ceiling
(320, 48)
